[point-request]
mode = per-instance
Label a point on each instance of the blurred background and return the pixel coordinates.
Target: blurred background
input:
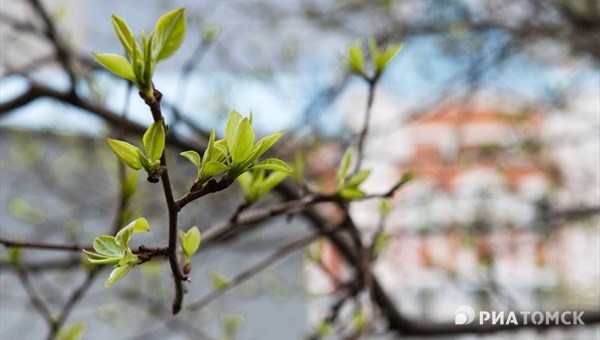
(492, 106)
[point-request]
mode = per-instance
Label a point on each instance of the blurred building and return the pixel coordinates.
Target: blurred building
(475, 214)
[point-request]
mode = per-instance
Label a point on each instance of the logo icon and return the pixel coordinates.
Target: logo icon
(464, 315)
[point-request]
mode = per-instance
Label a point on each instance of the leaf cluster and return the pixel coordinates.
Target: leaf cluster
(348, 186)
(256, 183)
(190, 242)
(380, 58)
(133, 157)
(143, 55)
(115, 250)
(236, 153)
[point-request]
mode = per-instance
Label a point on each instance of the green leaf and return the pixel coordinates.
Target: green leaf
(386, 57)
(211, 33)
(298, 167)
(149, 62)
(221, 147)
(72, 332)
(211, 169)
(129, 184)
(385, 207)
(243, 141)
(273, 164)
(116, 64)
(101, 259)
(190, 242)
(218, 280)
(344, 165)
(129, 259)
(232, 123)
(406, 177)
(107, 245)
(323, 329)
(232, 323)
(358, 178)
(350, 193)
(169, 34)
(125, 35)
(356, 58)
(272, 180)
(14, 255)
(126, 152)
(194, 157)
(359, 320)
(140, 225)
(212, 152)
(380, 244)
(266, 143)
(148, 166)
(116, 274)
(154, 141)
(245, 180)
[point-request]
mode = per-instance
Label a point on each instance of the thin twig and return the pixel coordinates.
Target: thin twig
(43, 245)
(258, 267)
(365, 129)
(61, 52)
(35, 299)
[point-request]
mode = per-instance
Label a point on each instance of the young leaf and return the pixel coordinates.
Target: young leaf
(209, 153)
(221, 148)
(126, 152)
(218, 280)
(272, 180)
(358, 178)
(273, 164)
(169, 34)
(380, 244)
(406, 177)
(101, 259)
(140, 225)
(245, 181)
(116, 64)
(72, 332)
(232, 123)
(194, 157)
(154, 141)
(266, 143)
(323, 329)
(298, 167)
(116, 274)
(190, 241)
(385, 207)
(129, 259)
(125, 35)
(211, 169)
(345, 164)
(129, 184)
(386, 57)
(148, 166)
(356, 58)
(232, 323)
(243, 141)
(149, 63)
(107, 245)
(350, 193)
(359, 320)
(211, 33)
